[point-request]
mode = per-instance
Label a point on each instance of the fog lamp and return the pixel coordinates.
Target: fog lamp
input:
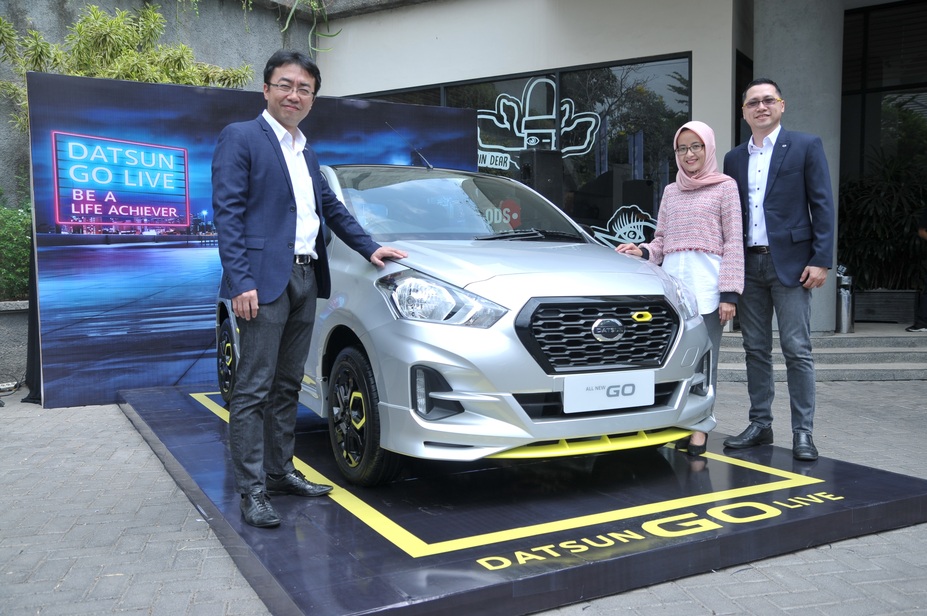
(425, 382)
(701, 379)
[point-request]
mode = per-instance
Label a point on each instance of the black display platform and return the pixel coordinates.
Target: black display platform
(513, 538)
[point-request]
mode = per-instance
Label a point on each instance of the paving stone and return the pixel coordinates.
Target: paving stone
(849, 608)
(144, 549)
(138, 596)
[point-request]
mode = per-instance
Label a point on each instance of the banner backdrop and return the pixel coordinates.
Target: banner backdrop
(126, 257)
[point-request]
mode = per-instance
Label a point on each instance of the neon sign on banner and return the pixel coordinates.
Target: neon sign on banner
(100, 181)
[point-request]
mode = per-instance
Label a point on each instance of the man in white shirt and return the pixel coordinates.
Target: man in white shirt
(271, 206)
(789, 219)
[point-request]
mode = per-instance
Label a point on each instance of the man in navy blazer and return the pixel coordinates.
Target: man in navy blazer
(789, 217)
(272, 207)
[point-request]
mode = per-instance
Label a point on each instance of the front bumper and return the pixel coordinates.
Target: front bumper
(493, 378)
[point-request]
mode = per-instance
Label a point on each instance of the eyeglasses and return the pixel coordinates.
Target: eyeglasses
(289, 89)
(695, 148)
(769, 101)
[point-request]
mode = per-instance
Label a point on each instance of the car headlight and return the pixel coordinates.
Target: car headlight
(417, 297)
(685, 298)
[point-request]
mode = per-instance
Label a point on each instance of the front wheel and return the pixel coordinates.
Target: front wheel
(354, 422)
(226, 359)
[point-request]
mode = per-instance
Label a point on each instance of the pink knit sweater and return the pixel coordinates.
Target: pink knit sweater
(707, 219)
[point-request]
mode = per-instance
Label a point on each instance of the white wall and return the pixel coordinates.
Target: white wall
(448, 41)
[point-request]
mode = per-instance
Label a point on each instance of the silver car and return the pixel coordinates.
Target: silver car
(508, 332)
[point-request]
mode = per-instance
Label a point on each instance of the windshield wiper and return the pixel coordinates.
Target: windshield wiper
(531, 234)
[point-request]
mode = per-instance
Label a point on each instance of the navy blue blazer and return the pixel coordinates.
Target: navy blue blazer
(799, 203)
(255, 213)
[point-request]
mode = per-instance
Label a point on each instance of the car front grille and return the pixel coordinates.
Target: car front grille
(558, 332)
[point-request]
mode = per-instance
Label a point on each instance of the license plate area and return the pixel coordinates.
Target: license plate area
(608, 390)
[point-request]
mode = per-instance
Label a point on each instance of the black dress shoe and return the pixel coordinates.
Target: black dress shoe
(295, 483)
(257, 510)
(751, 437)
(803, 447)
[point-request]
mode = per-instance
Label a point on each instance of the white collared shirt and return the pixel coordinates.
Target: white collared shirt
(757, 179)
(307, 221)
(700, 271)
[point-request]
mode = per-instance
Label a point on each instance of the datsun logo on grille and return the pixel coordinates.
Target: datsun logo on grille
(608, 330)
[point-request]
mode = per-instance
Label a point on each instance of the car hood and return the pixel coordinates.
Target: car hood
(496, 269)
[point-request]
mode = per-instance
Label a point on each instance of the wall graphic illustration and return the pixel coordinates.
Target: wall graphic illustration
(529, 123)
(126, 257)
(628, 225)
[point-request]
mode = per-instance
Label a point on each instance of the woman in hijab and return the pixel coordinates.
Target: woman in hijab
(699, 240)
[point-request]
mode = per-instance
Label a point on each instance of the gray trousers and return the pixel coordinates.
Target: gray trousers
(762, 294)
(262, 411)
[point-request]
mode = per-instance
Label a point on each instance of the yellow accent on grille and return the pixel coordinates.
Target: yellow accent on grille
(642, 317)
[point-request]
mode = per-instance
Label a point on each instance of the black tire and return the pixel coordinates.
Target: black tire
(354, 422)
(225, 359)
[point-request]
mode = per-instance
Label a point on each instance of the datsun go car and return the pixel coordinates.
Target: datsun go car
(508, 332)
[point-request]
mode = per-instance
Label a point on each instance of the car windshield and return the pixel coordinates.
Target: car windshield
(411, 203)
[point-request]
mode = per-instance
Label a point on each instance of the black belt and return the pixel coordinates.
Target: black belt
(760, 250)
(302, 259)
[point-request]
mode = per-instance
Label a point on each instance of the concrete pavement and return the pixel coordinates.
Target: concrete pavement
(92, 523)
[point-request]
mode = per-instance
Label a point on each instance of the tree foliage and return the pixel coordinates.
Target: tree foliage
(15, 246)
(122, 45)
(318, 16)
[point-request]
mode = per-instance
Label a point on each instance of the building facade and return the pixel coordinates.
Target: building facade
(581, 98)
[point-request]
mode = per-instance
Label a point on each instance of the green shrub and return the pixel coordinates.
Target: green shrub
(15, 249)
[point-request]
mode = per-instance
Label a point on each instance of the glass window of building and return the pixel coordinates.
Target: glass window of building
(884, 86)
(639, 107)
(597, 141)
(513, 115)
(882, 157)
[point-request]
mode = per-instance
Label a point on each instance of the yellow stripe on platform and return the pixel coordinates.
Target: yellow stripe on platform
(416, 548)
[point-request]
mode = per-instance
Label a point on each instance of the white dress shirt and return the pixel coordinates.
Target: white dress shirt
(701, 271)
(307, 221)
(757, 179)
